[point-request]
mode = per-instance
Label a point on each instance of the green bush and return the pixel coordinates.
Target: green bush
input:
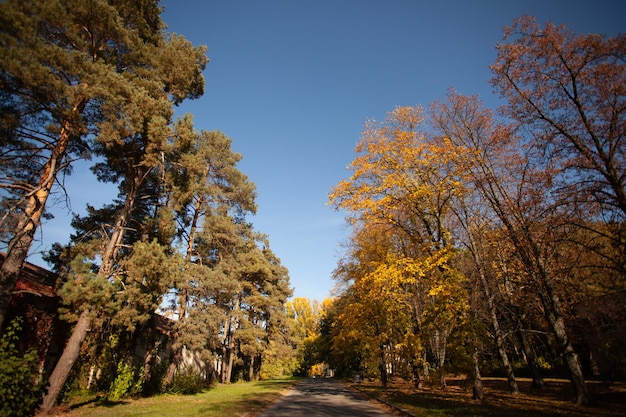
(21, 385)
(127, 382)
(187, 381)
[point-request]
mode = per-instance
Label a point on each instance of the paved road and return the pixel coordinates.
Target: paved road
(323, 397)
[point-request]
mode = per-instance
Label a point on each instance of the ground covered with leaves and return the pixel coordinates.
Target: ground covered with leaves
(555, 399)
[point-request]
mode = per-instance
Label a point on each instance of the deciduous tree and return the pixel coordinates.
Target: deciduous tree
(517, 190)
(569, 92)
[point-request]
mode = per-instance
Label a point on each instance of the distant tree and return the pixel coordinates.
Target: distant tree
(304, 317)
(205, 188)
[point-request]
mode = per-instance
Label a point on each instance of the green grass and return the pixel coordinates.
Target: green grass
(241, 399)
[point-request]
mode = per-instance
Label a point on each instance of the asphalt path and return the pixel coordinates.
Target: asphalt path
(315, 397)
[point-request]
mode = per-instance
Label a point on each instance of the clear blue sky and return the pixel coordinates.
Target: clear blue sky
(293, 81)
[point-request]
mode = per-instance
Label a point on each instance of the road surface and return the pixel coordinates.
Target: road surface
(317, 397)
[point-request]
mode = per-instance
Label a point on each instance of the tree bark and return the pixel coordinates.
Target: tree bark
(251, 368)
(382, 367)
(72, 348)
(230, 346)
(417, 379)
(477, 386)
(20, 244)
(531, 359)
(530, 255)
(495, 323)
(66, 361)
(565, 348)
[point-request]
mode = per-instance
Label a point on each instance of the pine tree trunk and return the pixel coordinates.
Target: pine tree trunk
(229, 365)
(66, 361)
(170, 373)
(18, 247)
(231, 357)
(72, 349)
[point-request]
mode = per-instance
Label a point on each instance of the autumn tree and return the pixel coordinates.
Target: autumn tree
(568, 92)
(375, 312)
(517, 191)
(402, 177)
(304, 316)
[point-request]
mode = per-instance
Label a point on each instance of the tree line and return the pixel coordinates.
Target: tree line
(474, 232)
(477, 233)
(100, 80)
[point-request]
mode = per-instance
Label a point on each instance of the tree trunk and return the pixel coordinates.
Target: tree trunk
(19, 245)
(382, 367)
(72, 349)
(530, 255)
(438, 344)
(552, 310)
(477, 386)
(66, 361)
(251, 369)
(566, 350)
(170, 373)
(229, 348)
(531, 359)
(417, 380)
(495, 323)
(228, 371)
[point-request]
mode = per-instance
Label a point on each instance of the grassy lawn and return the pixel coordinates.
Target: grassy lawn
(250, 398)
(554, 400)
(237, 400)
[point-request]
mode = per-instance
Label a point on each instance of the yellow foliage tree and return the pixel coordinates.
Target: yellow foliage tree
(399, 195)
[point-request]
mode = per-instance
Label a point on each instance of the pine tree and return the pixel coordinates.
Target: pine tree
(69, 70)
(161, 73)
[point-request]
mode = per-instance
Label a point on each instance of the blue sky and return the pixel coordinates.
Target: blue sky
(292, 83)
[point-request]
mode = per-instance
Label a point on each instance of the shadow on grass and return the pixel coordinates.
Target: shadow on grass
(552, 401)
(429, 404)
(94, 400)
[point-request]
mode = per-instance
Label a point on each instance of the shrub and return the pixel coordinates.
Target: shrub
(21, 385)
(187, 381)
(127, 382)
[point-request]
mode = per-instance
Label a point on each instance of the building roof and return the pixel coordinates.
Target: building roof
(34, 280)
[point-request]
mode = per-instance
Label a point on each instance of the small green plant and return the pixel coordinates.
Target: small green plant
(21, 385)
(127, 382)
